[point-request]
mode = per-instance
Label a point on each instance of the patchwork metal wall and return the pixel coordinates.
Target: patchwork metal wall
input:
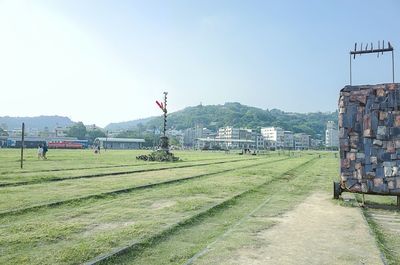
(369, 135)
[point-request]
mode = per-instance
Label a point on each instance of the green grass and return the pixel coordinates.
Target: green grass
(277, 196)
(386, 230)
(31, 195)
(89, 164)
(160, 218)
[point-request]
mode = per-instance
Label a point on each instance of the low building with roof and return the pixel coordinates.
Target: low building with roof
(210, 143)
(118, 143)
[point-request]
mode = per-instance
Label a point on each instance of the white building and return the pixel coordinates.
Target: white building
(228, 132)
(331, 135)
(173, 132)
(275, 135)
(241, 138)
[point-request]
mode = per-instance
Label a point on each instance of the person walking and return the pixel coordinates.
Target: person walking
(96, 149)
(40, 151)
(45, 149)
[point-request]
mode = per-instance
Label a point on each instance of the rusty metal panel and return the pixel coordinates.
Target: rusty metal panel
(369, 138)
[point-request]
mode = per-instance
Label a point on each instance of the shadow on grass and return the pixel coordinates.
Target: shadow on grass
(382, 206)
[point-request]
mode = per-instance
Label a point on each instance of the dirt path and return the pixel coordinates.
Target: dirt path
(316, 232)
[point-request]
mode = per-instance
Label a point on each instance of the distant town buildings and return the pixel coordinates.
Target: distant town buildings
(316, 143)
(229, 137)
(331, 135)
(191, 134)
(260, 142)
(197, 137)
(288, 140)
(301, 141)
(228, 133)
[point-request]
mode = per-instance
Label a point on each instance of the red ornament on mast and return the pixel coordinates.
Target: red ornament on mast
(160, 104)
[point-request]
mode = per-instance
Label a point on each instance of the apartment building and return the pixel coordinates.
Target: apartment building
(331, 135)
(274, 135)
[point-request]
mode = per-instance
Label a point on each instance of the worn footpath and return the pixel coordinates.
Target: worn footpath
(317, 231)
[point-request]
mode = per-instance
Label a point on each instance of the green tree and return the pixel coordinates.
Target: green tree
(77, 130)
(93, 134)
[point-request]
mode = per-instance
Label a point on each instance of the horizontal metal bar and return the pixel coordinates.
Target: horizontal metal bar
(372, 51)
(395, 192)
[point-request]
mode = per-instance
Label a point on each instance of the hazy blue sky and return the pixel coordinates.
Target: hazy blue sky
(107, 61)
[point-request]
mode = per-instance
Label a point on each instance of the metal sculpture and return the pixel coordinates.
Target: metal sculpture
(164, 143)
(369, 130)
(380, 50)
(163, 153)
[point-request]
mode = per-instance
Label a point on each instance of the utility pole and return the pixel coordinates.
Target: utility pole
(164, 144)
(22, 145)
(105, 147)
(154, 138)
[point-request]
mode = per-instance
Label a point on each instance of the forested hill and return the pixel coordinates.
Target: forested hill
(238, 115)
(126, 124)
(40, 122)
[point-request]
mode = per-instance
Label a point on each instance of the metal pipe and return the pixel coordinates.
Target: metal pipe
(165, 113)
(393, 65)
(372, 51)
(351, 81)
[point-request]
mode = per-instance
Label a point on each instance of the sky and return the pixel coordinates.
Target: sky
(102, 61)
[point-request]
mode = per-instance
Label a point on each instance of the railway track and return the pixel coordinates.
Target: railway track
(206, 249)
(54, 179)
(377, 223)
(136, 245)
(130, 189)
(85, 168)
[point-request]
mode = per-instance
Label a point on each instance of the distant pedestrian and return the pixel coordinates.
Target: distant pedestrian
(40, 151)
(96, 149)
(45, 149)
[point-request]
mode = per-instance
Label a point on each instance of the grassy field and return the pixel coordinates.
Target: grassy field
(78, 207)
